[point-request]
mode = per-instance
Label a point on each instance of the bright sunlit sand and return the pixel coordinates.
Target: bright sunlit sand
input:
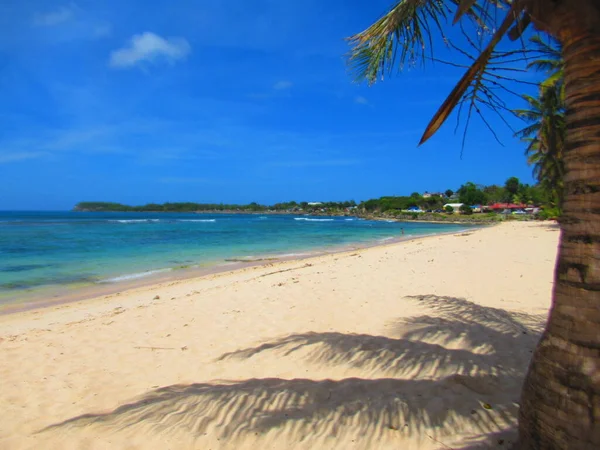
(415, 345)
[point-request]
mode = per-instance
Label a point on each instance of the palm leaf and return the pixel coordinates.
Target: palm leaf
(531, 130)
(403, 28)
(551, 60)
(463, 7)
(545, 65)
(474, 72)
(520, 27)
(550, 48)
(555, 79)
(545, 136)
(404, 33)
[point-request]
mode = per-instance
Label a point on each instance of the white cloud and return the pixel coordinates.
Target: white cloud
(361, 100)
(149, 47)
(53, 18)
(281, 85)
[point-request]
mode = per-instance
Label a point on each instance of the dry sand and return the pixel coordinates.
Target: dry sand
(416, 345)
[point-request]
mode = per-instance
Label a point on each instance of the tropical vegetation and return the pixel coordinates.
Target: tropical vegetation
(469, 193)
(214, 207)
(560, 398)
(546, 126)
(513, 191)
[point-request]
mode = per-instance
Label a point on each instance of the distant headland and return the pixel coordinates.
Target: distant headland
(293, 207)
(470, 203)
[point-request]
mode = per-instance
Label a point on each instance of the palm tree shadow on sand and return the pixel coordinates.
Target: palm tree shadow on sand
(460, 369)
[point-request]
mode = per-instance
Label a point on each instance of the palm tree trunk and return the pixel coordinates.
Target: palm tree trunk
(560, 404)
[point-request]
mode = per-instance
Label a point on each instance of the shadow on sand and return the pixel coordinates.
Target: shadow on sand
(457, 370)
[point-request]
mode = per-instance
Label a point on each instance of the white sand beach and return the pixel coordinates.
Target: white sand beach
(414, 345)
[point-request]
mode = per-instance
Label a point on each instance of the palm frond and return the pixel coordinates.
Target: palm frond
(463, 7)
(473, 75)
(545, 136)
(555, 79)
(404, 35)
(520, 27)
(550, 47)
(400, 34)
(528, 115)
(545, 65)
(550, 60)
(526, 132)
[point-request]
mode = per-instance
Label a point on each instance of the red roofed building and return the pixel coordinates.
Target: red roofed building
(502, 206)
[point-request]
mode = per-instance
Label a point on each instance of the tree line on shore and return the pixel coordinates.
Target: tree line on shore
(513, 191)
(469, 193)
(215, 207)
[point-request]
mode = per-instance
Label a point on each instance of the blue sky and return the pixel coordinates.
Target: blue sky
(210, 101)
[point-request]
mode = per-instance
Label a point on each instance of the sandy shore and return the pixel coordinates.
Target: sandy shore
(415, 345)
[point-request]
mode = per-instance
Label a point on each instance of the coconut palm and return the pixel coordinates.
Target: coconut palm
(547, 171)
(561, 394)
(546, 129)
(545, 136)
(549, 60)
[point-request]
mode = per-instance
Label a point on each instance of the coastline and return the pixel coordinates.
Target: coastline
(476, 219)
(402, 345)
(61, 295)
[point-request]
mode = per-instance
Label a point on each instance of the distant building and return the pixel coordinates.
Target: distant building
(500, 207)
(455, 206)
(314, 203)
(432, 194)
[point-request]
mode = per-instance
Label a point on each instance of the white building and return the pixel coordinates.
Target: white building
(455, 206)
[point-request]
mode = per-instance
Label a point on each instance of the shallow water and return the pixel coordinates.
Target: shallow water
(45, 249)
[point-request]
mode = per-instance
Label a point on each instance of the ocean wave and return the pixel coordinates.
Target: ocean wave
(226, 264)
(349, 220)
(313, 220)
(197, 220)
(386, 239)
(134, 276)
(293, 255)
(134, 220)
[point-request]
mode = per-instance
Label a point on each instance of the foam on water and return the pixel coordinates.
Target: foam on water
(82, 248)
(134, 220)
(134, 276)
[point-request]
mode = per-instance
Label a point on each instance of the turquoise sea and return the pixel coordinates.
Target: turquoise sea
(52, 250)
